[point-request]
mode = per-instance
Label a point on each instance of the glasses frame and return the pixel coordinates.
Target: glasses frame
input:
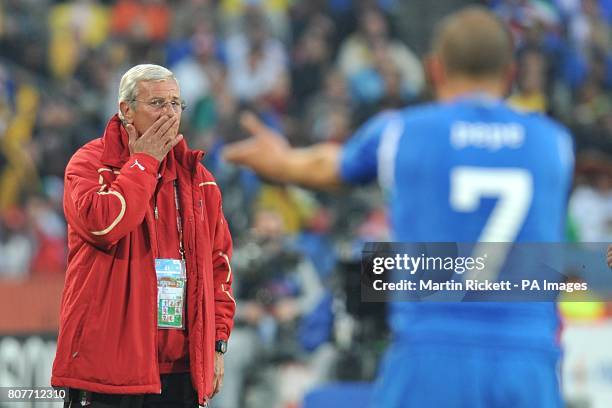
(182, 105)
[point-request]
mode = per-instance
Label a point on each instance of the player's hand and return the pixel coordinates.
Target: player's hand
(157, 140)
(219, 371)
(610, 255)
(263, 152)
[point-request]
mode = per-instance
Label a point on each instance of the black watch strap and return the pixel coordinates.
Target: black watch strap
(221, 346)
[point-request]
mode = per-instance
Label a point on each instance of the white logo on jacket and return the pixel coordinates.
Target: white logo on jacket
(140, 166)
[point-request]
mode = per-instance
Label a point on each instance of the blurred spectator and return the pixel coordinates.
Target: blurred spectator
(591, 202)
(201, 69)
(73, 29)
(143, 25)
(588, 30)
(334, 125)
(93, 80)
(328, 112)
(274, 11)
(524, 15)
(358, 54)
(275, 285)
(311, 59)
(315, 241)
(380, 86)
(19, 174)
(256, 61)
(50, 237)
(188, 16)
(15, 245)
(344, 13)
(591, 103)
(530, 90)
(592, 116)
(294, 205)
(6, 104)
(23, 33)
(58, 137)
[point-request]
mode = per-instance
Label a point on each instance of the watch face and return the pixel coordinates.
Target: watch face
(221, 346)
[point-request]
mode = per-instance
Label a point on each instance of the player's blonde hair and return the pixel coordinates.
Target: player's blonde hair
(474, 42)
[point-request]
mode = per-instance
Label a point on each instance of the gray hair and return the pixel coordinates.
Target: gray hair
(139, 73)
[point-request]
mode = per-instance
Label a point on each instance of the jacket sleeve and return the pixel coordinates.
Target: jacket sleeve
(225, 305)
(102, 213)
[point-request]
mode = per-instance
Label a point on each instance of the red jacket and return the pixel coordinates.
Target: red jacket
(108, 324)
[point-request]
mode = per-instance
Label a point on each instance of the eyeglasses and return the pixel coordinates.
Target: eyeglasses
(159, 104)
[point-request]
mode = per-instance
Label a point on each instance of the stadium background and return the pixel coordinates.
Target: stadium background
(315, 70)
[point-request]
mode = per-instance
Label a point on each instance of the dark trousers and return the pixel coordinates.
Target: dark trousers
(177, 392)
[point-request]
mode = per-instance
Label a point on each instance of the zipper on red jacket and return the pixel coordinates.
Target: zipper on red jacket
(191, 235)
(156, 214)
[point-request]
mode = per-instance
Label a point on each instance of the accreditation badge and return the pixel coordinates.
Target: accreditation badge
(171, 282)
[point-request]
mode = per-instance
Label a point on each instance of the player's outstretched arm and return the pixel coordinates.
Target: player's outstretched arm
(271, 157)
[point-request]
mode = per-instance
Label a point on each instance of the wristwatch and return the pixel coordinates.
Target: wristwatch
(221, 346)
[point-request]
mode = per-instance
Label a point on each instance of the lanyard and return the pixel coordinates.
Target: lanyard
(179, 224)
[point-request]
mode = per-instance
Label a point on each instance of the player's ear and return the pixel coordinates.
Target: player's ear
(434, 69)
(510, 76)
(127, 111)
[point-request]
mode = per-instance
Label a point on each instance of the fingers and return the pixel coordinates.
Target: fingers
(239, 152)
(173, 142)
(158, 139)
(132, 134)
(219, 370)
(252, 124)
(172, 133)
(216, 390)
(217, 383)
(164, 129)
(158, 123)
(160, 127)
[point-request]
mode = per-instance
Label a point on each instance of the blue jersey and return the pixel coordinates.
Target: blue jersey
(466, 171)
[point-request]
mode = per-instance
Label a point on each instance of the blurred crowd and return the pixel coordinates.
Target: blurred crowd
(313, 69)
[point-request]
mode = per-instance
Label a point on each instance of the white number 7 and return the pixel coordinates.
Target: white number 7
(513, 187)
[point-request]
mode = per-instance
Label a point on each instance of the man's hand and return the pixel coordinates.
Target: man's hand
(156, 141)
(270, 156)
(610, 255)
(264, 152)
(219, 371)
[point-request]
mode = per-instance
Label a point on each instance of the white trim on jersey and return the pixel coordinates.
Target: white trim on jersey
(387, 153)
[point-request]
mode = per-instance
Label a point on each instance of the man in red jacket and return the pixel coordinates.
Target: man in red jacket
(147, 307)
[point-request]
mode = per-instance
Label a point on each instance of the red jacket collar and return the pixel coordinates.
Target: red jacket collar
(116, 151)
